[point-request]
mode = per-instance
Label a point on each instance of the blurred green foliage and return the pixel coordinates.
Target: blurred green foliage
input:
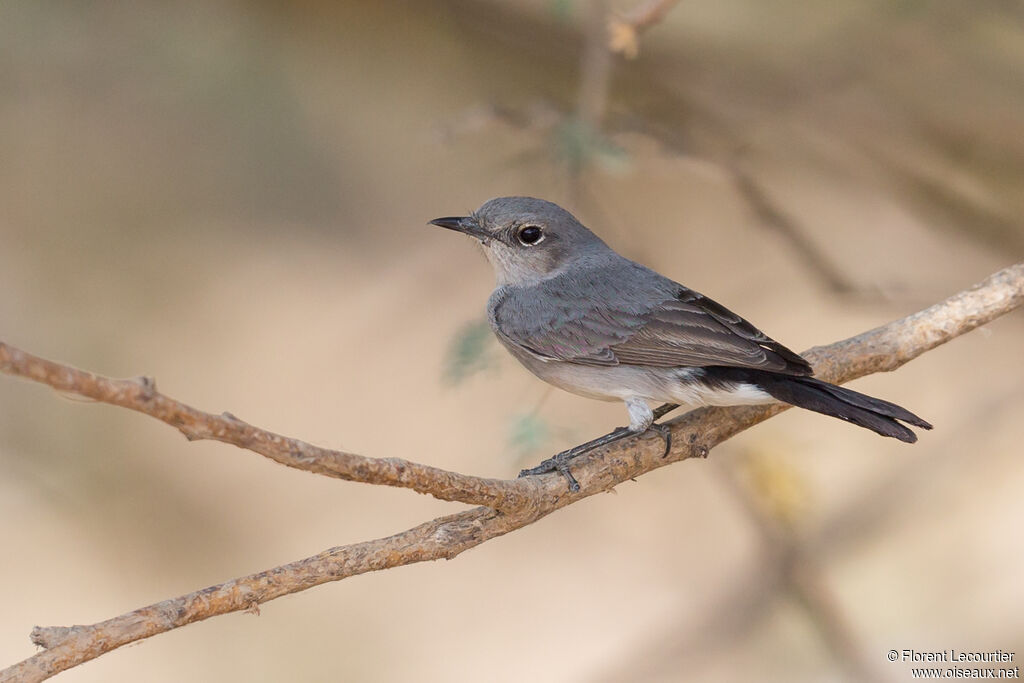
(469, 352)
(527, 434)
(582, 145)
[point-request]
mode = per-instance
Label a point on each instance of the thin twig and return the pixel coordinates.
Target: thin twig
(693, 434)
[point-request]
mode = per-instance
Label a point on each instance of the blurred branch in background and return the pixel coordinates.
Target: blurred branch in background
(580, 135)
(624, 29)
(792, 564)
(525, 500)
(772, 216)
(798, 569)
(877, 119)
(596, 67)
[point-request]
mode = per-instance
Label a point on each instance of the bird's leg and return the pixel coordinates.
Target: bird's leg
(663, 410)
(641, 419)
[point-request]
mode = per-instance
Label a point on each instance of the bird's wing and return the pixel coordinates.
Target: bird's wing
(603, 320)
(691, 329)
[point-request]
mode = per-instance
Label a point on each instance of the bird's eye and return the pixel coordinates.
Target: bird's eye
(530, 235)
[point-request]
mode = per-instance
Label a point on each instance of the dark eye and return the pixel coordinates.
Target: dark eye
(530, 234)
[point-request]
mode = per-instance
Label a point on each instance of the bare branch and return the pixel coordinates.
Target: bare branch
(141, 395)
(882, 349)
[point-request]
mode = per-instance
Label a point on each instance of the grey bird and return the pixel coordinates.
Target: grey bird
(589, 321)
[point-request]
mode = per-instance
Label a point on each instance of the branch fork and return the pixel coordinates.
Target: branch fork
(503, 506)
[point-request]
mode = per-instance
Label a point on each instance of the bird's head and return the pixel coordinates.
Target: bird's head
(527, 239)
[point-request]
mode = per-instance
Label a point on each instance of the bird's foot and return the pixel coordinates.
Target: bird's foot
(560, 462)
(557, 463)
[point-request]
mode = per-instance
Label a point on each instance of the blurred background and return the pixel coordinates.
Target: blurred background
(232, 198)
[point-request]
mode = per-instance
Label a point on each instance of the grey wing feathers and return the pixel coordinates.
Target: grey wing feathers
(623, 315)
(694, 330)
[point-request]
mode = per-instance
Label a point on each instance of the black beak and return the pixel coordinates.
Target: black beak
(463, 224)
(451, 222)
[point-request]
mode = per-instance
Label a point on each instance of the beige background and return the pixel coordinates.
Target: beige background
(232, 198)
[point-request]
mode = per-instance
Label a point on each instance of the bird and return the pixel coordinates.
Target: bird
(592, 322)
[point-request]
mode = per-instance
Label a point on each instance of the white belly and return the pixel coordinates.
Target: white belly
(622, 382)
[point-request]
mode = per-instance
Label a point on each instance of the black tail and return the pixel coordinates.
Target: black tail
(875, 414)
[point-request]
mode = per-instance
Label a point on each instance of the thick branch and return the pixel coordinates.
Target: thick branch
(141, 395)
(882, 349)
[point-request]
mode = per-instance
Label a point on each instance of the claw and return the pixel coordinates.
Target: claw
(559, 463)
(666, 433)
